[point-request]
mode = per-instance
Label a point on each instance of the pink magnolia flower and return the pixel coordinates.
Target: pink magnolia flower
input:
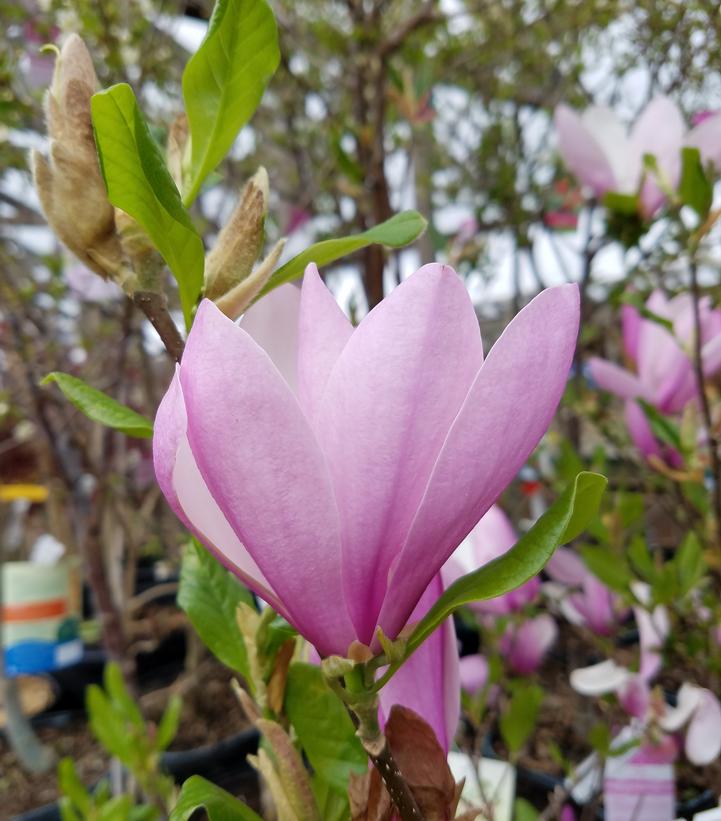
(665, 376)
(488, 540)
(435, 663)
(524, 645)
(583, 599)
(697, 709)
(337, 483)
(604, 157)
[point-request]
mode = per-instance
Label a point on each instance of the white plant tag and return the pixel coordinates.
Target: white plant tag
(491, 786)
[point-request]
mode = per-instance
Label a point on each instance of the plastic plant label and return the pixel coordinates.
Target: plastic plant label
(490, 787)
(641, 785)
(39, 616)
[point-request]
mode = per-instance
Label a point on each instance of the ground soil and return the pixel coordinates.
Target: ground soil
(210, 714)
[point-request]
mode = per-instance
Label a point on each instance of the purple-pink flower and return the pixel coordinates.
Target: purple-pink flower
(665, 375)
(336, 469)
(605, 157)
(435, 664)
(583, 599)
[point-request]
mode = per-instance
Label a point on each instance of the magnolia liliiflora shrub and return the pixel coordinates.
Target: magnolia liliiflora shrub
(335, 469)
(663, 359)
(604, 157)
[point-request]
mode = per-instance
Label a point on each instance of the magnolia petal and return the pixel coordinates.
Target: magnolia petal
(186, 492)
(640, 430)
(707, 138)
(322, 334)
(273, 323)
(525, 645)
(635, 697)
(631, 324)
(653, 629)
(262, 465)
(687, 700)
(435, 664)
(582, 153)
(616, 380)
(703, 736)
(388, 404)
(473, 673)
(567, 567)
(508, 409)
(598, 679)
(623, 157)
(659, 131)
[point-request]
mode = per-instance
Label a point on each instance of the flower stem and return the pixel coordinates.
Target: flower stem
(712, 441)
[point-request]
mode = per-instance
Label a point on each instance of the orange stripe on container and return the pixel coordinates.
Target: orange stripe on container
(30, 611)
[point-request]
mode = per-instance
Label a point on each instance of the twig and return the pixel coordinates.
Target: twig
(712, 441)
(396, 785)
(155, 308)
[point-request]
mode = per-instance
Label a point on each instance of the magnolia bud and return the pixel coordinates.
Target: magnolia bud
(240, 241)
(238, 299)
(69, 184)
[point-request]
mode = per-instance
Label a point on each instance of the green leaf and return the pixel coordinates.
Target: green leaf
(323, 726)
(72, 787)
(695, 190)
(524, 811)
(121, 698)
(621, 203)
(607, 566)
(641, 560)
(518, 720)
(224, 81)
(563, 521)
(332, 803)
(100, 407)
(210, 595)
(197, 793)
(140, 184)
(168, 726)
(662, 428)
(401, 229)
(689, 561)
(600, 738)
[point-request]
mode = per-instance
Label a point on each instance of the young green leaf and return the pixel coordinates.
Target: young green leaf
(563, 521)
(140, 184)
(395, 232)
(210, 596)
(607, 566)
(224, 81)
(518, 720)
(690, 565)
(695, 190)
(323, 726)
(100, 407)
(168, 725)
(197, 793)
(72, 787)
(626, 204)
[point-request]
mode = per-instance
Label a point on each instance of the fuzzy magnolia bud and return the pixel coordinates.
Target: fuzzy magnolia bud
(69, 183)
(240, 241)
(238, 299)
